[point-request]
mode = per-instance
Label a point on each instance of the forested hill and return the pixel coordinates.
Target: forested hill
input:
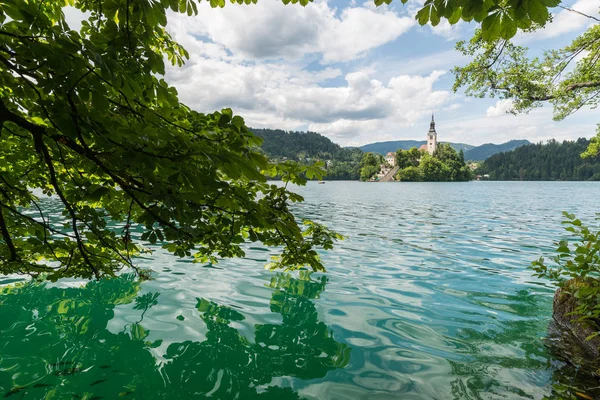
(385, 147)
(484, 151)
(305, 147)
(278, 143)
(550, 161)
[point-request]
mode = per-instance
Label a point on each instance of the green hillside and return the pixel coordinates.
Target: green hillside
(307, 147)
(539, 162)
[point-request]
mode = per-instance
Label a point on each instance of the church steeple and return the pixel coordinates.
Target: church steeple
(431, 137)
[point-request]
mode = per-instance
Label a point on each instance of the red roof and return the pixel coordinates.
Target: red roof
(423, 147)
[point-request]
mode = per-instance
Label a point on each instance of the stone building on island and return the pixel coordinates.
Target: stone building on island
(390, 158)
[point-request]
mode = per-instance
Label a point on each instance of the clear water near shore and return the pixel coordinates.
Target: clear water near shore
(428, 298)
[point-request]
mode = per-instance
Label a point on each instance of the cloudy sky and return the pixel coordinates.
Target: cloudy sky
(354, 73)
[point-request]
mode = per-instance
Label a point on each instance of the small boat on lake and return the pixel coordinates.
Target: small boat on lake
(321, 182)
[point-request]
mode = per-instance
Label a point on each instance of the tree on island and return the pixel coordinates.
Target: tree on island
(407, 158)
(444, 165)
(370, 165)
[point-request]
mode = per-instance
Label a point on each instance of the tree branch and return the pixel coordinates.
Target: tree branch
(580, 13)
(7, 238)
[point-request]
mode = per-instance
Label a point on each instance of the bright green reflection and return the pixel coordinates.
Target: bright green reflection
(54, 343)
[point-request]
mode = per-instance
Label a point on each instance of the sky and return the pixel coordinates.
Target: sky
(355, 73)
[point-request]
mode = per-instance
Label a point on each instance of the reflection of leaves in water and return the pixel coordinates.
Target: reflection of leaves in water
(146, 301)
(55, 342)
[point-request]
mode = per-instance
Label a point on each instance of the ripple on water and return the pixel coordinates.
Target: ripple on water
(429, 297)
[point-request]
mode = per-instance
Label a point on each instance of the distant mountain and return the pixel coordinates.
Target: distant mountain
(487, 150)
(386, 147)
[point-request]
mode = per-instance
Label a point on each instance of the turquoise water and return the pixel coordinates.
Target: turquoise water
(428, 298)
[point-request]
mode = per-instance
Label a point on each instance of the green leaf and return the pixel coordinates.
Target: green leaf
(538, 12)
(508, 27)
(551, 3)
(423, 14)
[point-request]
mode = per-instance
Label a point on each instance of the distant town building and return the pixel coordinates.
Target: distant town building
(390, 158)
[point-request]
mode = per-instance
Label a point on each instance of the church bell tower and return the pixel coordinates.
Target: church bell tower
(431, 137)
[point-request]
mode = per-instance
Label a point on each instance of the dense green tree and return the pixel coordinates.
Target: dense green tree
(294, 145)
(444, 165)
(433, 169)
(409, 174)
(407, 158)
(370, 165)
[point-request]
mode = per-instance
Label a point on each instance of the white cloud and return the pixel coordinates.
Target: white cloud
(271, 30)
(288, 96)
(270, 63)
(536, 126)
(74, 17)
(448, 31)
(452, 107)
(501, 108)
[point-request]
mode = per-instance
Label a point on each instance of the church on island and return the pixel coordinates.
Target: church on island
(432, 162)
(430, 147)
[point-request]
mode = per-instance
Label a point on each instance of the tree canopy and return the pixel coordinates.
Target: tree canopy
(86, 118)
(567, 78)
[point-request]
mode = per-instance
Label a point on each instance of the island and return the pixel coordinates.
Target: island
(432, 162)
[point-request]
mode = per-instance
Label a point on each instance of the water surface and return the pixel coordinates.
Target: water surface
(428, 298)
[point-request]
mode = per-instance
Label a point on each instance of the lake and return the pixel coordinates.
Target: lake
(429, 297)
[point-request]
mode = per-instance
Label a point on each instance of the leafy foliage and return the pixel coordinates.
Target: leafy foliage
(576, 268)
(86, 118)
(410, 174)
(503, 69)
(550, 161)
